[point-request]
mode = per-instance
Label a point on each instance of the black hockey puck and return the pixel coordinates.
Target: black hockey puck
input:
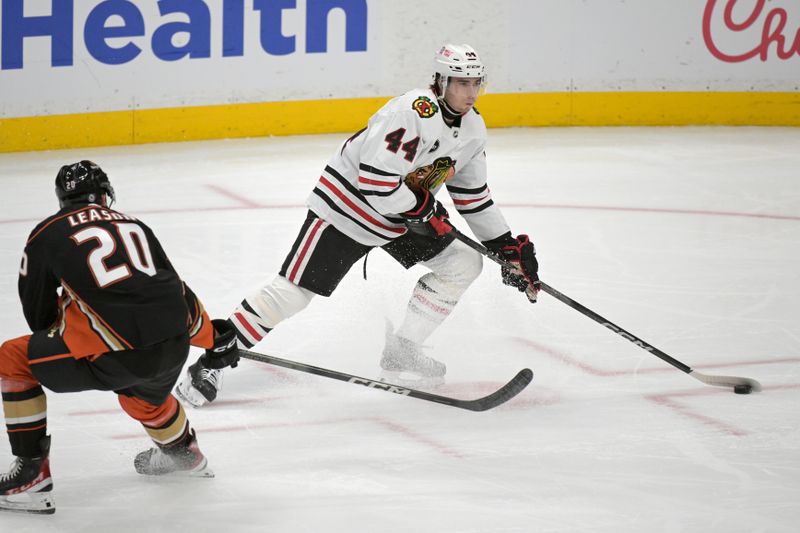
(742, 389)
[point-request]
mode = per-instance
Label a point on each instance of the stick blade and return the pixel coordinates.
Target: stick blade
(501, 395)
(726, 381)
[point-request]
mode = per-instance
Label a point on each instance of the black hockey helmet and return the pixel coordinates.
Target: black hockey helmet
(83, 183)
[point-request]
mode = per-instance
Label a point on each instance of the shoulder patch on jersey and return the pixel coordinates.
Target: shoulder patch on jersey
(424, 107)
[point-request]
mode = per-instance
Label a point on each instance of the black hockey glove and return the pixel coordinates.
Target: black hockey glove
(428, 218)
(522, 254)
(224, 352)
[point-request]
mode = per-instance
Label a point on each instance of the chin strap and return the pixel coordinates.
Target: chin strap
(450, 115)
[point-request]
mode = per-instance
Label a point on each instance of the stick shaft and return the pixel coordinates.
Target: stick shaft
(717, 381)
(708, 379)
(579, 307)
(500, 396)
(615, 328)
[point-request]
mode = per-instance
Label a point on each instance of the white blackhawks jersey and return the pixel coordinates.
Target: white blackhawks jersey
(406, 146)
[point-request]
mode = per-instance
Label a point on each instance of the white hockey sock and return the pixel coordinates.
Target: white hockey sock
(261, 312)
(437, 292)
(426, 310)
(250, 329)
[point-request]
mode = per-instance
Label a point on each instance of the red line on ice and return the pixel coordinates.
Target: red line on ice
(246, 204)
(385, 423)
(595, 371)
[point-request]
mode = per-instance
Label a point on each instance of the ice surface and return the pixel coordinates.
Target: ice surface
(687, 237)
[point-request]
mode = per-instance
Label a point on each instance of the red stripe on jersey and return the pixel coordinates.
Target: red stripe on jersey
(303, 252)
(246, 325)
(51, 358)
(378, 183)
(357, 209)
(467, 202)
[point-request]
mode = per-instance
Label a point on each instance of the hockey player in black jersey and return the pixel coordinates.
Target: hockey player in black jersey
(378, 191)
(108, 312)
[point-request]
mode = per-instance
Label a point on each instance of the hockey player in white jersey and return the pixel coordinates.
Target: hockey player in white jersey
(378, 191)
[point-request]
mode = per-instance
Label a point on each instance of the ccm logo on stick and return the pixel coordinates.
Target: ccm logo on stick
(637, 342)
(380, 385)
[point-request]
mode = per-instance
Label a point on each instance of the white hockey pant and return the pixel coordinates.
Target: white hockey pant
(432, 300)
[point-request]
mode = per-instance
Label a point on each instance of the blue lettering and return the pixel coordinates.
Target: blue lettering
(16, 26)
(95, 32)
(317, 24)
(198, 28)
(233, 28)
(272, 39)
(120, 21)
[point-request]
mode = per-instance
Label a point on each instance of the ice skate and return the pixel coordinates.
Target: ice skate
(27, 487)
(199, 385)
(403, 363)
(183, 458)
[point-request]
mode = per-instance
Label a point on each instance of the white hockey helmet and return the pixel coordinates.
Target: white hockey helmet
(458, 61)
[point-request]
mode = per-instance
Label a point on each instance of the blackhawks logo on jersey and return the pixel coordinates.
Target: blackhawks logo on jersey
(431, 176)
(424, 107)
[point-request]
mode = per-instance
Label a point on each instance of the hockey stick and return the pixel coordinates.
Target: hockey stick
(498, 397)
(739, 385)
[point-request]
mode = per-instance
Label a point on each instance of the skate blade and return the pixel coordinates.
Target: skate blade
(201, 470)
(191, 398)
(411, 381)
(32, 503)
(205, 472)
